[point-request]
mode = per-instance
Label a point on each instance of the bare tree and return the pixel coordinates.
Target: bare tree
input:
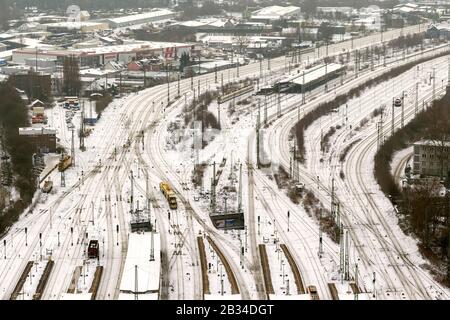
(242, 42)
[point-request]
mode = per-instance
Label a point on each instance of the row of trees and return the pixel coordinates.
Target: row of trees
(14, 114)
(5, 14)
(324, 108)
(71, 75)
(36, 86)
(424, 213)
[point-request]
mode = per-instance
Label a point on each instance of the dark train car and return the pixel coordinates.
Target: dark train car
(93, 249)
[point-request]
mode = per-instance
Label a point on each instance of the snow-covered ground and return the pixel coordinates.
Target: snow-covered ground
(94, 204)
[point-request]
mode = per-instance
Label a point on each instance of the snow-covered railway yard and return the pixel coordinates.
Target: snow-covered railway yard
(133, 142)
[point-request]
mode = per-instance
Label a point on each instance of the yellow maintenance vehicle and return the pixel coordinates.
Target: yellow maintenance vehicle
(168, 194)
(64, 163)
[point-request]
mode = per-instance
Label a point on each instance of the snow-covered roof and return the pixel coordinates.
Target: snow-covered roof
(440, 26)
(218, 63)
(138, 263)
(28, 131)
(314, 73)
(275, 12)
(73, 25)
(36, 102)
(131, 47)
(432, 143)
(135, 46)
(142, 16)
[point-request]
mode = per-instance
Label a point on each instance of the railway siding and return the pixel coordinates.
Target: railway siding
(21, 281)
(43, 281)
(295, 270)
(96, 282)
(333, 291)
(75, 277)
(266, 270)
(204, 265)
(230, 274)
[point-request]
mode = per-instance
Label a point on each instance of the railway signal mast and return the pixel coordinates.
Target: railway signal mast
(320, 234)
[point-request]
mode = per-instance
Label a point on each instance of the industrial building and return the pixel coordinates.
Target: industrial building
(84, 27)
(43, 140)
(275, 13)
(152, 16)
(432, 158)
(305, 80)
(97, 56)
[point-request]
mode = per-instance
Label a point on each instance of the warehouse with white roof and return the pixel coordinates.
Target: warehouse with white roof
(147, 17)
(273, 13)
(97, 56)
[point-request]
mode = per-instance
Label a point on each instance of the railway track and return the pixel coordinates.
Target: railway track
(226, 264)
(312, 181)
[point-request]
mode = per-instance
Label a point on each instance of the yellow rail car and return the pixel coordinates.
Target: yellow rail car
(168, 194)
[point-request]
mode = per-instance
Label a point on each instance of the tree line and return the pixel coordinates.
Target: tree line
(423, 212)
(14, 114)
(327, 107)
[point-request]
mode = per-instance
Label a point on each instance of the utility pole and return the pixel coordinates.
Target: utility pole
(82, 148)
(136, 287)
(72, 153)
(374, 291)
(240, 190)
(63, 175)
(338, 215)
(448, 81)
(403, 108)
(168, 84)
(346, 257)
(213, 189)
(278, 104)
(131, 192)
(392, 122)
(341, 252)
(288, 214)
(303, 88)
(215, 73)
(152, 248)
(378, 135)
(265, 110)
(332, 199)
(258, 124)
(320, 234)
(260, 68)
(434, 83)
(416, 109)
(371, 59)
